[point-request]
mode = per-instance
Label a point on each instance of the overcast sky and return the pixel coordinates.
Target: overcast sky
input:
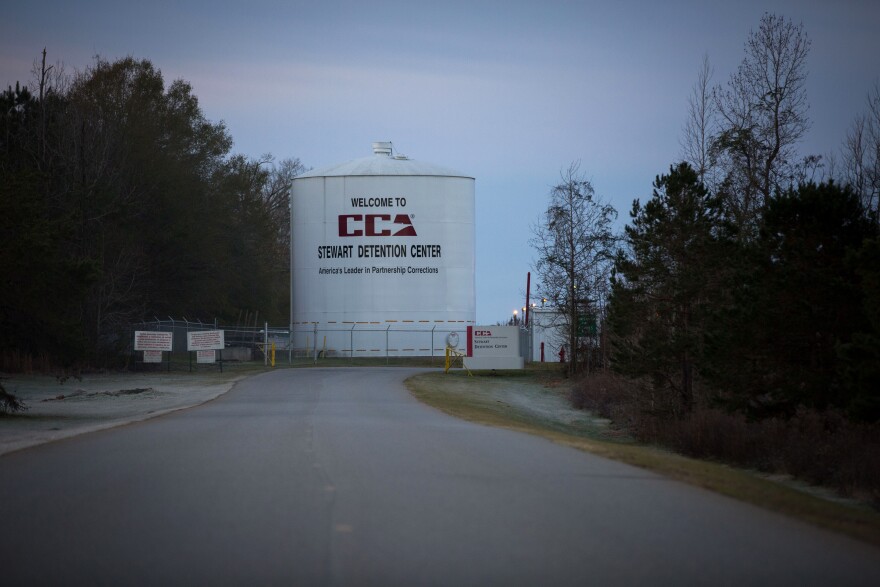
(510, 92)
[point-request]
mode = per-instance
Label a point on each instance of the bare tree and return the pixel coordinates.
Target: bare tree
(763, 114)
(861, 153)
(575, 245)
(49, 80)
(276, 195)
(700, 127)
(872, 197)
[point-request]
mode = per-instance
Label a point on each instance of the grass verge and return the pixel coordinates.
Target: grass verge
(476, 399)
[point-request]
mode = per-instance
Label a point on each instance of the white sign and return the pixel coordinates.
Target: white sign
(149, 340)
(204, 340)
(206, 356)
(152, 356)
(493, 341)
(493, 347)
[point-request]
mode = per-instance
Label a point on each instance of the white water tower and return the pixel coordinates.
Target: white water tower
(382, 244)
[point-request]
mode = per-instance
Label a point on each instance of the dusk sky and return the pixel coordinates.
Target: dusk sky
(508, 92)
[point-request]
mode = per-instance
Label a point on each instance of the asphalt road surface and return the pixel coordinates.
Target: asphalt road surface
(339, 477)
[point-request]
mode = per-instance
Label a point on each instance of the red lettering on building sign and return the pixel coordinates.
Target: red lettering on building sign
(375, 225)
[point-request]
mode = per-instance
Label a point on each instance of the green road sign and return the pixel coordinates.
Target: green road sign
(586, 325)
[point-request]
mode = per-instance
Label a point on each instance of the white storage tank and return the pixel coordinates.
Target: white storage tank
(382, 256)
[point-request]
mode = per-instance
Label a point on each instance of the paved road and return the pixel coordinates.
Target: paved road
(339, 477)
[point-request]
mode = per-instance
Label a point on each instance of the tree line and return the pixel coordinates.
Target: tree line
(750, 279)
(120, 201)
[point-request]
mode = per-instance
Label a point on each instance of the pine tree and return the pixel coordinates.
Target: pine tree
(663, 284)
(799, 297)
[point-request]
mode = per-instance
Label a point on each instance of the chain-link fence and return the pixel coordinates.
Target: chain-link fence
(306, 343)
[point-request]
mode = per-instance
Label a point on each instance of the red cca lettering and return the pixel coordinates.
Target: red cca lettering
(482, 333)
(375, 225)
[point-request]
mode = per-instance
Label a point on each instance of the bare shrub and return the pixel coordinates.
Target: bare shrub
(820, 448)
(9, 404)
(604, 394)
(825, 448)
(14, 361)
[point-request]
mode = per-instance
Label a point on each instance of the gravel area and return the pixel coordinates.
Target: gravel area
(57, 409)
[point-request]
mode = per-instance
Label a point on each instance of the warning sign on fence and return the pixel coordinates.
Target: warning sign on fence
(204, 340)
(152, 356)
(206, 356)
(149, 340)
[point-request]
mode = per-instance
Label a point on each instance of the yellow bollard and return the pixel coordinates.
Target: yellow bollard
(451, 355)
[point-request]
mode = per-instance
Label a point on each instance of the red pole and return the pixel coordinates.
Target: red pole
(528, 288)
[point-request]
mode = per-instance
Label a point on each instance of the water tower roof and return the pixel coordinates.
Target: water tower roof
(383, 162)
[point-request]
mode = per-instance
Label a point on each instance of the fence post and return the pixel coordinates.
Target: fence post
(432, 343)
(315, 331)
(265, 344)
(173, 333)
(386, 343)
(351, 350)
(188, 352)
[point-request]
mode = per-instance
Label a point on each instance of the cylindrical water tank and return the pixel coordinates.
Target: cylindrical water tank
(382, 244)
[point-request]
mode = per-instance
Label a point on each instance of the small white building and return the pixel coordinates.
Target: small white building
(549, 335)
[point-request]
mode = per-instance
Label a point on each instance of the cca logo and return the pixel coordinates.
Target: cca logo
(482, 333)
(375, 225)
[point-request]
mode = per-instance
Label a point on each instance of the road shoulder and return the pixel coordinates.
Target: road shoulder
(489, 400)
(58, 409)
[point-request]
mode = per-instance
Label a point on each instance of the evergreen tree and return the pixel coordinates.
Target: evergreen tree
(859, 366)
(798, 299)
(663, 285)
